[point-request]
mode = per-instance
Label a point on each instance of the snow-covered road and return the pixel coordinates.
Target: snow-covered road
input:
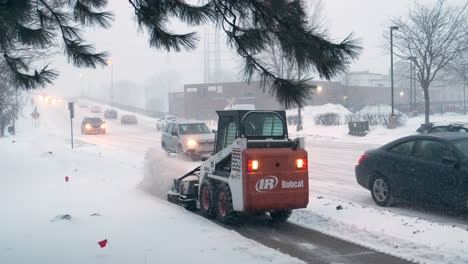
(332, 183)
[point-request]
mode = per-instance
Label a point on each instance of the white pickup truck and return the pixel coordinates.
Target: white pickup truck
(163, 121)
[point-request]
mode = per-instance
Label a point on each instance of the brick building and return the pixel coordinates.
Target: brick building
(201, 101)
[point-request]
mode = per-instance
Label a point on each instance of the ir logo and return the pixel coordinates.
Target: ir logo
(266, 184)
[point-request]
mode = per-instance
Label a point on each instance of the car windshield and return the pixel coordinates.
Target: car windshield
(190, 129)
(462, 146)
(94, 120)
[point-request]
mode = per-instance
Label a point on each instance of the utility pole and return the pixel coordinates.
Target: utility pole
(464, 88)
(299, 108)
(411, 86)
(391, 67)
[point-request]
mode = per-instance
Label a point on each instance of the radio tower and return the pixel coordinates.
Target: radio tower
(212, 55)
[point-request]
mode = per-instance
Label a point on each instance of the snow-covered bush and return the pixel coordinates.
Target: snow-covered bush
(327, 119)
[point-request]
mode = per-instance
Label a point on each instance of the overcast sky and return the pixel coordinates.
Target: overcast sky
(133, 59)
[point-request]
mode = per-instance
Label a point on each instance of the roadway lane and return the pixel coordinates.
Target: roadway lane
(331, 175)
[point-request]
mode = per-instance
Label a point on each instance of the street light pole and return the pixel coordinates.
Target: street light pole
(110, 62)
(391, 67)
(464, 89)
(299, 108)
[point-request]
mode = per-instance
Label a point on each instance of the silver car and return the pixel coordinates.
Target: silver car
(192, 139)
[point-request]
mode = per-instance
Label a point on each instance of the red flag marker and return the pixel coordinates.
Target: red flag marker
(67, 178)
(103, 243)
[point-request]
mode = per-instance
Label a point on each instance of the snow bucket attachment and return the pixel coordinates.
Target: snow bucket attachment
(184, 190)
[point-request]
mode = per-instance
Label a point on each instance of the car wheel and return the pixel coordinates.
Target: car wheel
(207, 201)
(381, 191)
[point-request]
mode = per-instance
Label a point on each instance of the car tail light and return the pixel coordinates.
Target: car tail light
(253, 165)
(301, 164)
(363, 157)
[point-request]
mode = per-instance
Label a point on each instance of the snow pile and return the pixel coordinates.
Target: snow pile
(412, 238)
(377, 110)
(310, 114)
(311, 111)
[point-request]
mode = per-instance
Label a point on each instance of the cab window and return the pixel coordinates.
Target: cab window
(227, 132)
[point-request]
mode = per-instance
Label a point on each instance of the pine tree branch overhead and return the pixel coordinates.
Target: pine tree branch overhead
(28, 27)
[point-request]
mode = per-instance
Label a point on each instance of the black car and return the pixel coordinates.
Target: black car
(93, 125)
(430, 167)
(443, 127)
(110, 114)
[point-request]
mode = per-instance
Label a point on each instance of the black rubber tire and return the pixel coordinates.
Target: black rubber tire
(224, 208)
(207, 204)
(280, 216)
(381, 191)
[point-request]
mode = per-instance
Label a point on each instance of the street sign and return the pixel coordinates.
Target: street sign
(71, 108)
(35, 115)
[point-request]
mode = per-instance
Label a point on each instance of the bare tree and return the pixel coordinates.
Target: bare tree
(433, 35)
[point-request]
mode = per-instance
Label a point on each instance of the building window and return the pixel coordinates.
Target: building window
(219, 89)
(192, 90)
(212, 88)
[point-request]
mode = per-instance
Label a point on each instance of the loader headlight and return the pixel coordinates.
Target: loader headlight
(191, 143)
(88, 126)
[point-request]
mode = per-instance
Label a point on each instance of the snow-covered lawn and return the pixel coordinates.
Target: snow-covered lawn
(104, 201)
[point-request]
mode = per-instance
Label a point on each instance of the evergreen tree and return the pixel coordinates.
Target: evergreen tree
(250, 26)
(31, 28)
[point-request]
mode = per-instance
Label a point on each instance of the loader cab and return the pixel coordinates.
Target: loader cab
(253, 125)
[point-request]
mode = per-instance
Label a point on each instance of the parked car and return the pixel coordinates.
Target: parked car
(443, 127)
(96, 109)
(110, 114)
(192, 139)
(429, 167)
(128, 120)
(93, 125)
(164, 121)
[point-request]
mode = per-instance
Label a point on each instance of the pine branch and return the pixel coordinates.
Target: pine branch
(39, 37)
(28, 81)
(85, 15)
(82, 55)
(193, 15)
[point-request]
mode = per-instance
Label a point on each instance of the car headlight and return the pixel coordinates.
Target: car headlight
(103, 126)
(191, 143)
(88, 126)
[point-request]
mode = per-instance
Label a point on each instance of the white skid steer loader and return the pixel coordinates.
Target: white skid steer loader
(255, 168)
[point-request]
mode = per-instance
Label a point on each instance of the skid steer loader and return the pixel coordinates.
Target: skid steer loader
(255, 168)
